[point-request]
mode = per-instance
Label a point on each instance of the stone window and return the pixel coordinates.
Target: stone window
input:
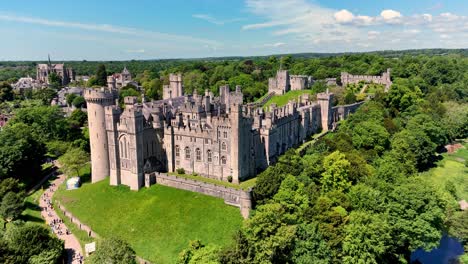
(206, 141)
(177, 151)
(225, 134)
(223, 160)
(198, 154)
(223, 146)
(219, 133)
(187, 153)
(209, 155)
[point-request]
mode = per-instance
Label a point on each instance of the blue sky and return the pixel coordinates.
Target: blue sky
(122, 30)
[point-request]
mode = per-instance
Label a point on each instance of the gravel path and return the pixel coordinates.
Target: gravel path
(72, 246)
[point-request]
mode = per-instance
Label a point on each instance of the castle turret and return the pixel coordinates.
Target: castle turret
(96, 101)
(325, 101)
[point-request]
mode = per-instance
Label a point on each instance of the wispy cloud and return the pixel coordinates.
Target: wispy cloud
(135, 51)
(275, 45)
(213, 20)
(104, 28)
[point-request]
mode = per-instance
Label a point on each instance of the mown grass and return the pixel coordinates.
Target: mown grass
(281, 100)
(158, 222)
(452, 169)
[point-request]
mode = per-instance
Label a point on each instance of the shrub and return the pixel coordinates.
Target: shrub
(229, 178)
(180, 171)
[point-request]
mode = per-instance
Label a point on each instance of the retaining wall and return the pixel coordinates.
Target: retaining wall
(231, 196)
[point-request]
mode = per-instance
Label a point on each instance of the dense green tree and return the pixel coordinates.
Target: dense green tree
(45, 95)
(54, 81)
(416, 214)
(21, 154)
(79, 102)
(11, 206)
(78, 117)
(73, 160)
(6, 92)
(413, 145)
(69, 98)
(309, 246)
(367, 238)
(9, 185)
(113, 250)
(199, 253)
(370, 135)
(101, 75)
(335, 175)
(30, 243)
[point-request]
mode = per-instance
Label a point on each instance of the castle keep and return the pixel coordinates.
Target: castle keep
(215, 137)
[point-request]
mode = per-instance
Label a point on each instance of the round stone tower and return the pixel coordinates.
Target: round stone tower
(97, 100)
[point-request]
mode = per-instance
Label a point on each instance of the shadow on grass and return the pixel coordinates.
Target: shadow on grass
(85, 177)
(28, 217)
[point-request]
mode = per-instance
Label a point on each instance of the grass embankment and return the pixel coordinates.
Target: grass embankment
(281, 100)
(158, 222)
(452, 169)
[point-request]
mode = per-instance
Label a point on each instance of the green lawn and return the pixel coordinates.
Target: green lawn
(452, 168)
(158, 222)
(281, 100)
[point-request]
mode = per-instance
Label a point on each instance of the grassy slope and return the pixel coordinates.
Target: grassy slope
(281, 100)
(158, 222)
(452, 168)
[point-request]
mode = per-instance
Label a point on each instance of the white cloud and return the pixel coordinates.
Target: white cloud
(343, 16)
(389, 14)
(215, 21)
(373, 34)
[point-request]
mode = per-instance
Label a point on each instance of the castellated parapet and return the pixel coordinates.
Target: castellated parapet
(283, 82)
(384, 79)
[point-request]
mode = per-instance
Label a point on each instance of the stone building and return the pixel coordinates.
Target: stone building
(214, 137)
(119, 80)
(26, 83)
(283, 82)
(43, 70)
(175, 87)
(384, 79)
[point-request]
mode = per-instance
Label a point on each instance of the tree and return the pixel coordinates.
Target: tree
(78, 118)
(21, 154)
(11, 207)
(199, 253)
(31, 243)
(101, 75)
(79, 102)
(367, 238)
(309, 246)
(414, 145)
(73, 160)
(45, 95)
(6, 92)
(113, 250)
(370, 135)
(416, 213)
(335, 176)
(54, 81)
(70, 98)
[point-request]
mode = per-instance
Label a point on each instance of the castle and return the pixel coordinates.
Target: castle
(283, 82)
(119, 80)
(215, 137)
(384, 79)
(43, 70)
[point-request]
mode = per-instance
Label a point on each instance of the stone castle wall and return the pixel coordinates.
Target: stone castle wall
(231, 196)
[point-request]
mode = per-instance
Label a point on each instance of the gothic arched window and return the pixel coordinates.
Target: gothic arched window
(177, 151)
(198, 154)
(223, 160)
(187, 152)
(209, 156)
(223, 146)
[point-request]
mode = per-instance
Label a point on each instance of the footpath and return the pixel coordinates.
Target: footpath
(72, 246)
